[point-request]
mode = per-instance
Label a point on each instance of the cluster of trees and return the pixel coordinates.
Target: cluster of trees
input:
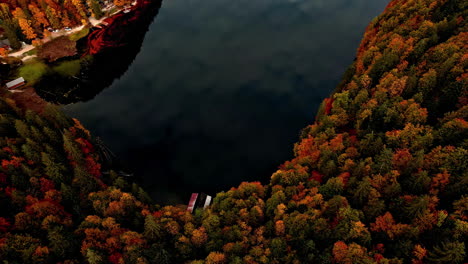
(380, 177)
(51, 188)
(28, 20)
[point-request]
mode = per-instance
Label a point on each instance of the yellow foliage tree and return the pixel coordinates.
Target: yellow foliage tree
(38, 15)
(36, 42)
(27, 29)
(199, 237)
(119, 3)
(3, 52)
(80, 8)
(216, 258)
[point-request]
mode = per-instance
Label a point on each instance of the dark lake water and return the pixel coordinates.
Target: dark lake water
(221, 89)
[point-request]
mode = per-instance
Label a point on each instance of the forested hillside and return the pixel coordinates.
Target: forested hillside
(381, 176)
(49, 171)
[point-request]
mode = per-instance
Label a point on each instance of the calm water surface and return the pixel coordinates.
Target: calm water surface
(221, 89)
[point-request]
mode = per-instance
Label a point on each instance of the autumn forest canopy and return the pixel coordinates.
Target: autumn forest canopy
(381, 176)
(31, 20)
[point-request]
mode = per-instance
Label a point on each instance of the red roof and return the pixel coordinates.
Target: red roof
(192, 201)
(15, 83)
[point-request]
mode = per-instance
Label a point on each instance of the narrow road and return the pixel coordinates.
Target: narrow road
(62, 32)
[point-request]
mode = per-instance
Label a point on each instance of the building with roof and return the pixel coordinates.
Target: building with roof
(198, 200)
(15, 83)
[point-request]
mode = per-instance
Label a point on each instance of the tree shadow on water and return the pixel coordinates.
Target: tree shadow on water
(106, 54)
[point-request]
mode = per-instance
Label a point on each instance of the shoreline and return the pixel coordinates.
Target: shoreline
(28, 97)
(92, 22)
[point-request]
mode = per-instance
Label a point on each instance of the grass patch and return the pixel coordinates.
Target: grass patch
(79, 35)
(68, 68)
(112, 11)
(32, 71)
(31, 52)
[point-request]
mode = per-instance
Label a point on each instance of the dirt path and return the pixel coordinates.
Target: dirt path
(21, 51)
(28, 57)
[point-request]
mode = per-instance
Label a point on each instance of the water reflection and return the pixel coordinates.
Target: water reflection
(115, 48)
(221, 89)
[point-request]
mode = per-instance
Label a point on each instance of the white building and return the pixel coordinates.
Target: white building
(15, 83)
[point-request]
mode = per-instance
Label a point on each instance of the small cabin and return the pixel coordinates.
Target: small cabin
(15, 83)
(198, 200)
